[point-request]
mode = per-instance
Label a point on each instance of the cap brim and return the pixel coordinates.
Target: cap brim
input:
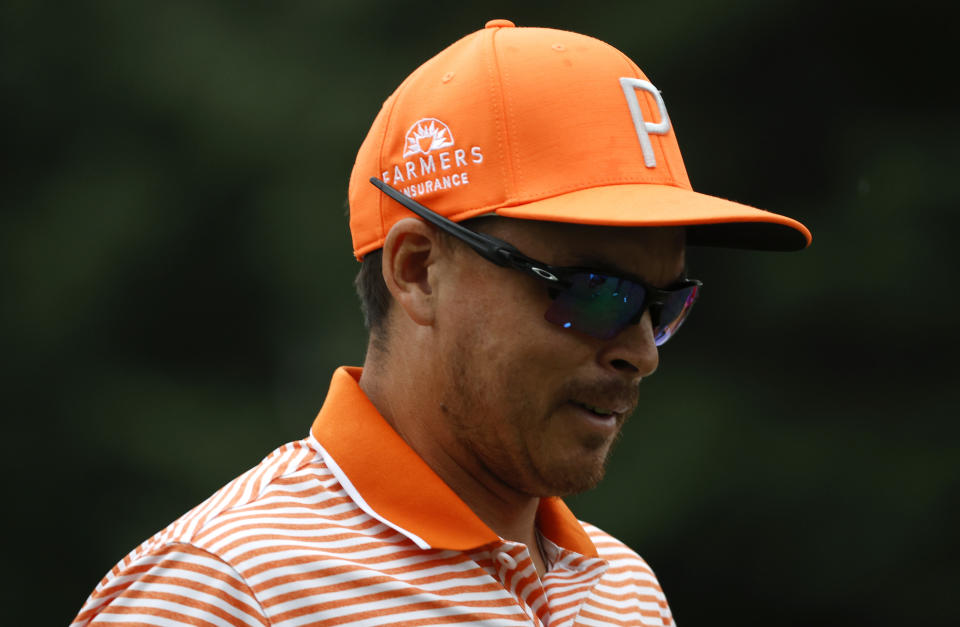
(711, 221)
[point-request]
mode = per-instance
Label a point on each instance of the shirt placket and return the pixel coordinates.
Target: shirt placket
(569, 582)
(515, 570)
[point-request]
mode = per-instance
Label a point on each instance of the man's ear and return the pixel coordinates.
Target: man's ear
(409, 254)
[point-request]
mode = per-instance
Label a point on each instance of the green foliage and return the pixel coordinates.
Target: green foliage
(177, 285)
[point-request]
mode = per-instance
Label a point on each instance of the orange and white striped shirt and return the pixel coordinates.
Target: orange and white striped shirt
(350, 527)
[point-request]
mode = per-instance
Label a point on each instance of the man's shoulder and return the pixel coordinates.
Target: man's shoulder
(628, 580)
(196, 555)
(288, 469)
(282, 471)
(622, 558)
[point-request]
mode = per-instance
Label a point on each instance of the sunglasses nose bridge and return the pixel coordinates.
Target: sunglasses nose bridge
(651, 303)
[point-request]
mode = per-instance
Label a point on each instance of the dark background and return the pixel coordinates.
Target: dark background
(176, 277)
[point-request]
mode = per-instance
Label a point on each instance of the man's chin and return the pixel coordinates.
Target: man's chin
(573, 478)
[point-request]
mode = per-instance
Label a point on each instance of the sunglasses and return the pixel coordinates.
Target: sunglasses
(595, 303)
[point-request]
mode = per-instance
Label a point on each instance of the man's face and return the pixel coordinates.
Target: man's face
(524, 400)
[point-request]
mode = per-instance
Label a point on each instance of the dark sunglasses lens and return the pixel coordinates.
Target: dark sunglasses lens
(597, 305)
(673, 312)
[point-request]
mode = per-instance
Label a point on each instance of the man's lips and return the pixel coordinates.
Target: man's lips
(599, 410)
(606, 409)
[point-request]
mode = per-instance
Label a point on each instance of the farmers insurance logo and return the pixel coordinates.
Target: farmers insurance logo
(431, 161)
(426, 135)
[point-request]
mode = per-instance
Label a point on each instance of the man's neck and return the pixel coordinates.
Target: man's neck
(412, 414)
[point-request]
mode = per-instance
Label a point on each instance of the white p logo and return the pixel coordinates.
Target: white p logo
(644, 128)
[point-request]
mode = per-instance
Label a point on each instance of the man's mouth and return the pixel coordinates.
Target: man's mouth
(598, 411)
(608, 403)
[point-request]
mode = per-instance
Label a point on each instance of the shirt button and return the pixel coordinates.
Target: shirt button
(506, 560)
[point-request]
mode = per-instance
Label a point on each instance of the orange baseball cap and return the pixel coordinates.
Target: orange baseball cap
(541, 124)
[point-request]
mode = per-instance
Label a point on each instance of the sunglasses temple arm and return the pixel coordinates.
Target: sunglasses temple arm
(491, 248)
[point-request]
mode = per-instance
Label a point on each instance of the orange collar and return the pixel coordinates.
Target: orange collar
(400, 488)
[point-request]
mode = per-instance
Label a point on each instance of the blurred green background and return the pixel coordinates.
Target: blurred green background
(176, 276)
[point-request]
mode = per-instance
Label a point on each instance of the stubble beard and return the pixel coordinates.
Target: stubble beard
(504, 451)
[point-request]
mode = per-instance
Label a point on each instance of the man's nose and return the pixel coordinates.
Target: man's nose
(632, 353)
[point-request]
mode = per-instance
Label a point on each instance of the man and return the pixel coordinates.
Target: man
(504, 356)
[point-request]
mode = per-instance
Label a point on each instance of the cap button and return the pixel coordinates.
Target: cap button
(499, 24)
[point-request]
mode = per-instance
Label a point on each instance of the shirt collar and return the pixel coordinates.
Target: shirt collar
(401, 489)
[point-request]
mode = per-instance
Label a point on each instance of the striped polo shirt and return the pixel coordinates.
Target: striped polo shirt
(350, 527)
